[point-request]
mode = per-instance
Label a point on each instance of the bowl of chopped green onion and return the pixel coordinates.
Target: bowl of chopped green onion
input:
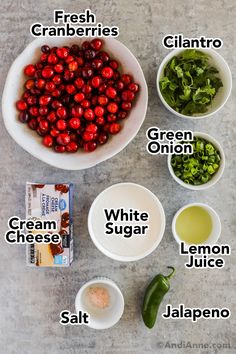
(194, 83)
(203, 168)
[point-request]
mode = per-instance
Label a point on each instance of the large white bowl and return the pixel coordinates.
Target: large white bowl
(127, 196)
(222, 95)
(31, 142)
(216, 177)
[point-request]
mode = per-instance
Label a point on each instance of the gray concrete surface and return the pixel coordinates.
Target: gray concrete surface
(31, 299)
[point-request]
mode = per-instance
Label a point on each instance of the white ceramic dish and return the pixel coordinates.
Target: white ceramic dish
(216, 224)
(128, 196)
(216, 176)
(101, 318)
(31, 142)
(222, 95)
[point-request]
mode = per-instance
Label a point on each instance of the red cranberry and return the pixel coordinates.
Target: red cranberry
(119, 85)
(107, 72)
(48, 141)
(69, 59)
(127, 95)
(85, 103)
(87, 136)
(115, 128)
(86, 45)
(112, 107)
(54, 132)
(86, 89)
(74, 123)
(59, 68)
(97, 64)
(73, 66)
(60, 148)
(45, 100)
(47, 72)
(61, 124)
(32, 100)
(79, 97)
(74, 49)
(72, 146)
(50, 86)
(57, 79)
(99, 111)
(90, 146)
(23, 117)
(102, 138)
(40, 83)
(62, 53)
(77, 111)
(41, 132)
(126, 106)
(29, 84)
(94, 100)
(51, 117)
(68, 75)
(70, 89)
(43, 110)
(102, 100)
(63, 139)
(80, 61)
(33, 124)
(122, 115)
(111, 118)
(96, 44)
(89, 114)
(103, 56)
(100, 121)
(79, 83)
(34, 111)
(26, 94)
(56, 93)
(133, 87)
(43, 125)
(89, 54)
(91, 128)
(43, 58)
(87, 72)
(35, 91)
(96, 81)
(21, 105)
(30, 70)
(61, 112)
(52, 59)
(126, 79)
(45, 49)
(114, 64)
(111, 92)
(102, 88)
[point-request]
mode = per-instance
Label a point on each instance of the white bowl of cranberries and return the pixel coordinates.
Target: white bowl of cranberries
(74, 103)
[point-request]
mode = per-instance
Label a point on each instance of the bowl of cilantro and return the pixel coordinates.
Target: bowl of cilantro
(203, 168)
(194, 83)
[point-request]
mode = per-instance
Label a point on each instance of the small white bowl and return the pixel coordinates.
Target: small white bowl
(127, 196)
(216, 176)
(222, 95)
(216, 224)
(31, 142)
(101, 318)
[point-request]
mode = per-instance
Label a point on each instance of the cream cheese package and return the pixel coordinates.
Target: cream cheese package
(51, 202)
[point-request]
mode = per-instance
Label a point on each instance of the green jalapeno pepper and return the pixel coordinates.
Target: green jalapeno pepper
(155, 292)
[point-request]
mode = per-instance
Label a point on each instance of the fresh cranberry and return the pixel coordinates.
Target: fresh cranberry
(61, 112)
(33, 124)
(80, 61)
(89, 114)
(89, 54)
(111, 92)
(74, 49)
(51, 117)
(91, 128)
(103, 56)
(69, 59)
(32, 100)
(126, 79)
(100, 121)
(70, 89)
(111, 118)
(21, 105)
(72, 146)
(102, 88)
(50, 86)
(43, 58)
(86, 45)
(74, 123)
(87, 72)
(79, 83)
(96, 81)
(48, 141)
(61, 124)
(112, 107)
(127, 96)
(102, 138)
(47, 72)
(30, 70)
(122, 115)
(43, 110)
(85, 104)
(86, 89)
(102, 100)
(43, 125)
(29, 84)
(35, 91)
(62, 53)
(54, 132)
(133, 87)
(87, 136)
(77, 111)
(96, 44)
(45, 100)
(115, 128)
(114, 64)
(68, 75)
(99, 111)
(34, 111)
(40, 83)
(45, 49)
(41, 132)
(23, 117)
(97, 64)
(26, 94)
(94, 100)
(63, 139)
(126, 106)
(119, 85)
(90, 146)
(56, 104)
(107, 72)
(52, 59)
(59, 68)
(57, 79)
(60, 148)
(73, 66)
(56, 93)
(79, 97)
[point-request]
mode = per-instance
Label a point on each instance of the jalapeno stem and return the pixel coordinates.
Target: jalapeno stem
(171, 274)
